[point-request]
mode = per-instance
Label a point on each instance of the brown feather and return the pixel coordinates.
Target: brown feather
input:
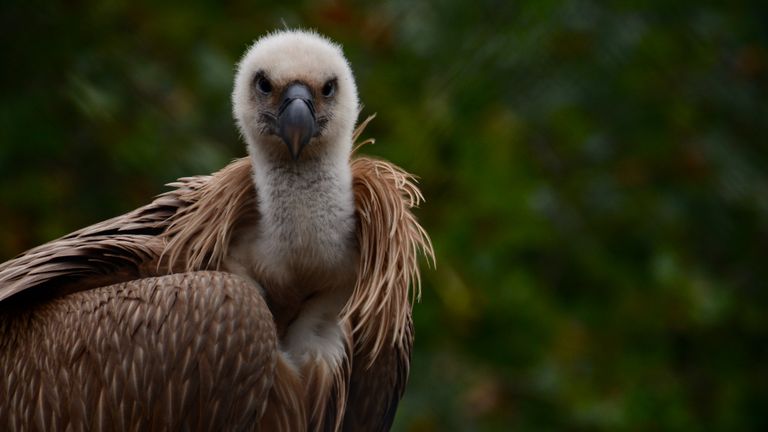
(320, 378)
(375, 389)
(199, 234)
(285, 409)
(390, 242)
(116, 250)
(124, 362)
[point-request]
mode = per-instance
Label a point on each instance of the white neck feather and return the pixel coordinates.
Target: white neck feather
(307, 211)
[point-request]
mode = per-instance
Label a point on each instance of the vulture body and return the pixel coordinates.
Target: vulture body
(271, 295)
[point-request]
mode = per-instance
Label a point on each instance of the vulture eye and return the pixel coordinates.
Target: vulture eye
(263, 84)
(329, 88)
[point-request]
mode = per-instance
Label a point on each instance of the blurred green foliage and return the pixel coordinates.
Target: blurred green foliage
(595, 175)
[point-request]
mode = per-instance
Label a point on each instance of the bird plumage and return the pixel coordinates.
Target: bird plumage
(332, 264)
(163, 353)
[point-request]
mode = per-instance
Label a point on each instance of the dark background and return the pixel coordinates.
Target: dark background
(595, 175)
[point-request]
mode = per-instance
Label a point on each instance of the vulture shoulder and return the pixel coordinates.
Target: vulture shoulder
(116, 250)
(134, 245)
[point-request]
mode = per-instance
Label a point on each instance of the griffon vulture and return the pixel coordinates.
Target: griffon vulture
(272, 295)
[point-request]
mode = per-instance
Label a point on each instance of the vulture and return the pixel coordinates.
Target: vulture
(274, 294)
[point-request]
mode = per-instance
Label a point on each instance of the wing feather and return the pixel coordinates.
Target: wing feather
(376, 388)
(112, 251)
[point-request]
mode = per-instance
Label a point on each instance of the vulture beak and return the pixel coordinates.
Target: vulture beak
(296, 118)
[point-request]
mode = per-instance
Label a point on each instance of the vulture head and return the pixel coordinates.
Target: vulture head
(295, 98)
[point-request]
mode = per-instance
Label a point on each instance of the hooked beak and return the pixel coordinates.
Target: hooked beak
(296, 122)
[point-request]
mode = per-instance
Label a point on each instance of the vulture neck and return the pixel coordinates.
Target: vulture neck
(307, 215)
